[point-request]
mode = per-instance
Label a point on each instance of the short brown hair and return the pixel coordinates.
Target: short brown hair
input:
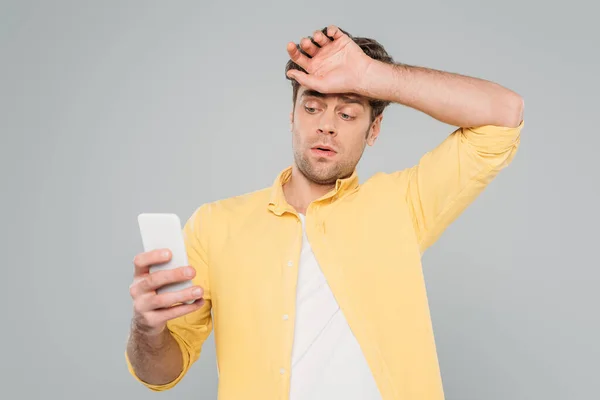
(371, 47)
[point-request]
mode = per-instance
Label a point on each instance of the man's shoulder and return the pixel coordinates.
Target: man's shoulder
(244, 200)
(385, 180)
(237, 206)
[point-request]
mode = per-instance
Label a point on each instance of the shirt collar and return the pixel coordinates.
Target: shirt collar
(279, 205)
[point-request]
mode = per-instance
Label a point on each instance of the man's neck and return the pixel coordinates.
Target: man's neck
(300, 192)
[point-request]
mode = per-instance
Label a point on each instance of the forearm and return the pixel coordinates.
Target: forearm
(156, 359)
(450, 98)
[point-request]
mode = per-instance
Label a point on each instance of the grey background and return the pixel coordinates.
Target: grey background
(113, 108)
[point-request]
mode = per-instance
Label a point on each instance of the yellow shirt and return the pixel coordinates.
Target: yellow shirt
(368, 239)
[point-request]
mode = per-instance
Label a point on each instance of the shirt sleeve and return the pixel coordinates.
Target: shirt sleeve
(449, 178)
(190, 331)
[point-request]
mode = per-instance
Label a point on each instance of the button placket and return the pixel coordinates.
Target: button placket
(290, 277)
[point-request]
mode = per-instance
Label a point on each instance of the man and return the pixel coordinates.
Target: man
(314, 285)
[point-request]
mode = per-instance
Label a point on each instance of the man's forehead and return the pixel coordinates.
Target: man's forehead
(348, 97)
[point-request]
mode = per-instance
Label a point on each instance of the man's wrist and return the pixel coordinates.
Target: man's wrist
(151, 339)
(382, 81)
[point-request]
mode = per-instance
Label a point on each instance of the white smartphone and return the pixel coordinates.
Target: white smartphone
(163, 231)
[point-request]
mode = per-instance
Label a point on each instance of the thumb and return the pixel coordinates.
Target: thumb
(302, 78)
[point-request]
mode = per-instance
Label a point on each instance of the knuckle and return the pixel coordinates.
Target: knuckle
(149, 282)
(153, 303)
(137, 260)
(179, 274)
(137, 307)
(134, 288)
(159, 301)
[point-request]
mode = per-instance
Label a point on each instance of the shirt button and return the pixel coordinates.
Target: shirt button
(282, 371)
(285, 317)
(290, 264)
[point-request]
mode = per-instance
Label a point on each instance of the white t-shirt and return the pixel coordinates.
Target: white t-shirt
(327, 361)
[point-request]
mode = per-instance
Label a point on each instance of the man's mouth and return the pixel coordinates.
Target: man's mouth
(323, 151)
(324, 148)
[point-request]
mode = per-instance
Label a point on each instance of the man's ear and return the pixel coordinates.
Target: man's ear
(374, 130)
(291, 119)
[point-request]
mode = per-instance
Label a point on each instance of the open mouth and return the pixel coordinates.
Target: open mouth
(323, 151)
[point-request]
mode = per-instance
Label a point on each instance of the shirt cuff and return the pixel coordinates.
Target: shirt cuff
(491, 139)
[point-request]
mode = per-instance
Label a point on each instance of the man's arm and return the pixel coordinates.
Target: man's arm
(450, 98)
(448, 178)
(166, 334)
(339, 65)
(156, 359)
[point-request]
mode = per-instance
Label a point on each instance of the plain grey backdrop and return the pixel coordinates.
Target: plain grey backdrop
(112, 108)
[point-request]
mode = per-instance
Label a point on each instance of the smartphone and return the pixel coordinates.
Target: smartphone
(163, 231)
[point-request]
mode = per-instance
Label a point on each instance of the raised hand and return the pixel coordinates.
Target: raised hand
(336, 65)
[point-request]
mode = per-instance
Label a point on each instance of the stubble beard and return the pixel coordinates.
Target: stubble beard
(323, 172)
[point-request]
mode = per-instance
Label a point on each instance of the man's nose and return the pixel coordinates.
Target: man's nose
(326, 126)
(327, 130)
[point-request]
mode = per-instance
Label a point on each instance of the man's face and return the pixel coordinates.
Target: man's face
(330, 133)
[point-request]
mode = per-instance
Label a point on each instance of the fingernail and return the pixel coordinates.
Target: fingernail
(197, 292)
(189, 271)
(166, 253)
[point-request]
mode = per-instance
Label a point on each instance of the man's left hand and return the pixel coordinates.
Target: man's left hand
(338, 66)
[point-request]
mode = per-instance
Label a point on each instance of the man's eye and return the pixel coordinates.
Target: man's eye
(346, 116)
(310, 109)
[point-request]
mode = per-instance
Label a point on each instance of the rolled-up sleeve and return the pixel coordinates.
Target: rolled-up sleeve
(449, 178)
(190, 331)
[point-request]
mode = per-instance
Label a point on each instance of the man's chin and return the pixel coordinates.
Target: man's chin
(319, 172)
(328, 177)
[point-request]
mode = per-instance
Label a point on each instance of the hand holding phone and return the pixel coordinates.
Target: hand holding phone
(162, 288)
(163, 231)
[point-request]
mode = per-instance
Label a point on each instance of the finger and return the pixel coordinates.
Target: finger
(151, 302)
(161, 278)
(151, 282)
(333, 32)
(303, 79)
(179, 310)
(143, 261)
(296, 56)
(309, 47)
(320, 38)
